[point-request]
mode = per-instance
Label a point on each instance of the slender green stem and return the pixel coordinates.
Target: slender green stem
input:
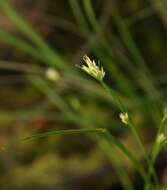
(148, 160)
(123, 109)
(160, 129)
(162, 124)
(134, 131)
(114, 157)
(129, 155)
(155, 148)
(115, 97)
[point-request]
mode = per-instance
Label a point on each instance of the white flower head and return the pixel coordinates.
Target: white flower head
(92, 69)
(124, 118)
(52, 74)
(161, 138)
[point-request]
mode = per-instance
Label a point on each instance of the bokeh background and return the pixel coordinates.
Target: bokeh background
(129, 38)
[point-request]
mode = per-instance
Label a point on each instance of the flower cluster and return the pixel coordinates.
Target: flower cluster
(92, 69)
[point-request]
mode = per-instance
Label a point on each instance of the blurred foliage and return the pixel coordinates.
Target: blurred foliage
(129, 38)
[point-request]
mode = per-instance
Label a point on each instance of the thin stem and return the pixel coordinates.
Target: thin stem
(129, 155)
(162, 124)
(134, 130)
(120, 170)
(115, 97)
(154, 151)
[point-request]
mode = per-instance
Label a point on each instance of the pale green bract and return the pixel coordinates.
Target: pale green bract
(92, 69)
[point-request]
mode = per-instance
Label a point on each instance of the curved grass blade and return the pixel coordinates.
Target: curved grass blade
(20, 44)
(52, 56)
(63, 132)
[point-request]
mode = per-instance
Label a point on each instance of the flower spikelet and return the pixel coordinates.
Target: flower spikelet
(92, 69)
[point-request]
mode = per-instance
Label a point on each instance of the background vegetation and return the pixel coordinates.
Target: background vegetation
(129, 39)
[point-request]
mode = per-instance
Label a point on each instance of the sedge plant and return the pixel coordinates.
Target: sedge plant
(40, 50)
(97, 72)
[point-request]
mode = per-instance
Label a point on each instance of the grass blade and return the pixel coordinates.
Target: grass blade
(63, 132)
(54, 58)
